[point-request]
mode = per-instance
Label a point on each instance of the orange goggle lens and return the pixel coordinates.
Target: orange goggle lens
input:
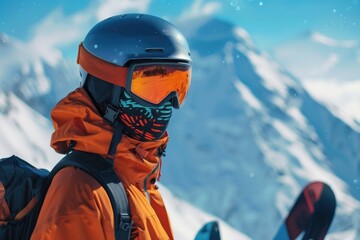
(153, 82)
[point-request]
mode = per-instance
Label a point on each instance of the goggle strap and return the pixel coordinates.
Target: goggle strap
(101, 69)
(116, 93)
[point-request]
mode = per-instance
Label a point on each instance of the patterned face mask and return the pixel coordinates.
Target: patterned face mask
(143, 123)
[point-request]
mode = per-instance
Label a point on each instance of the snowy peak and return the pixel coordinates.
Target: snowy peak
(208, 35)
(33, 79)
(215, 29)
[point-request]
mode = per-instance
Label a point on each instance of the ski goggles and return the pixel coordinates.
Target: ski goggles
(149, 83)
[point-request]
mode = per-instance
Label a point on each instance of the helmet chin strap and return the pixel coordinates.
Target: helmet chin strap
(111, 114)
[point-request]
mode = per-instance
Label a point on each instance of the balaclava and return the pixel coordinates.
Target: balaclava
(143, 123)
(138, 121)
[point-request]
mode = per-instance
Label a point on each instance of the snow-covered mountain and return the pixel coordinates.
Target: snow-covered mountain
(248, 138)
(329, 69)
(38, 81)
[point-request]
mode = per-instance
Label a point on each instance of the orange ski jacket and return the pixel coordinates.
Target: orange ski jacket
(76, 205)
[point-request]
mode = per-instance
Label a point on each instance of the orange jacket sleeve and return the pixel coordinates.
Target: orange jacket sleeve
(76, 207)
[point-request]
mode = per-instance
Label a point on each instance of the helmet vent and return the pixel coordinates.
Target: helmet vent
(154, 50)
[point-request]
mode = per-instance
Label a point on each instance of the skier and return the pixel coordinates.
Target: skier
(135, 68)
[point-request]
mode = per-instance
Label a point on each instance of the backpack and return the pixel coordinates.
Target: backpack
(23, 188)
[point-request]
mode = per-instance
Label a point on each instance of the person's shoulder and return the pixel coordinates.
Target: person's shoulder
(75, 177)
(75, 185)
(74, 200)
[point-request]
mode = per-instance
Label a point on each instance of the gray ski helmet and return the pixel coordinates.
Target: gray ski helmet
(122, 38)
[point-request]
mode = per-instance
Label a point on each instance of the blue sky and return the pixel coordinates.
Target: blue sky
(269, 22)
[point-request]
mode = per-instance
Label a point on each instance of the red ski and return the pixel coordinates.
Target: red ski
(311, 215)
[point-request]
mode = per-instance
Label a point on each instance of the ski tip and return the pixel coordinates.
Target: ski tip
(210, 231)
(321, 191)
(312, 212)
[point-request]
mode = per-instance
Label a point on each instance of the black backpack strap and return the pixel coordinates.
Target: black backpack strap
(102, 170)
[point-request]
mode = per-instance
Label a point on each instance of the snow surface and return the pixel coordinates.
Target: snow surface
(247, 139)
(25, 133)
(188, 219)
(341, 98)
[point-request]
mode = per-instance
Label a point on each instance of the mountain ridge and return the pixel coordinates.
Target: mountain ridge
(254, 121)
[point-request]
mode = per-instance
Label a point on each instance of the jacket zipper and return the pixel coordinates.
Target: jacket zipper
(146, 180)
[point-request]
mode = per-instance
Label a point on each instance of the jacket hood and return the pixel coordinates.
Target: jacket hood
(76, 120)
